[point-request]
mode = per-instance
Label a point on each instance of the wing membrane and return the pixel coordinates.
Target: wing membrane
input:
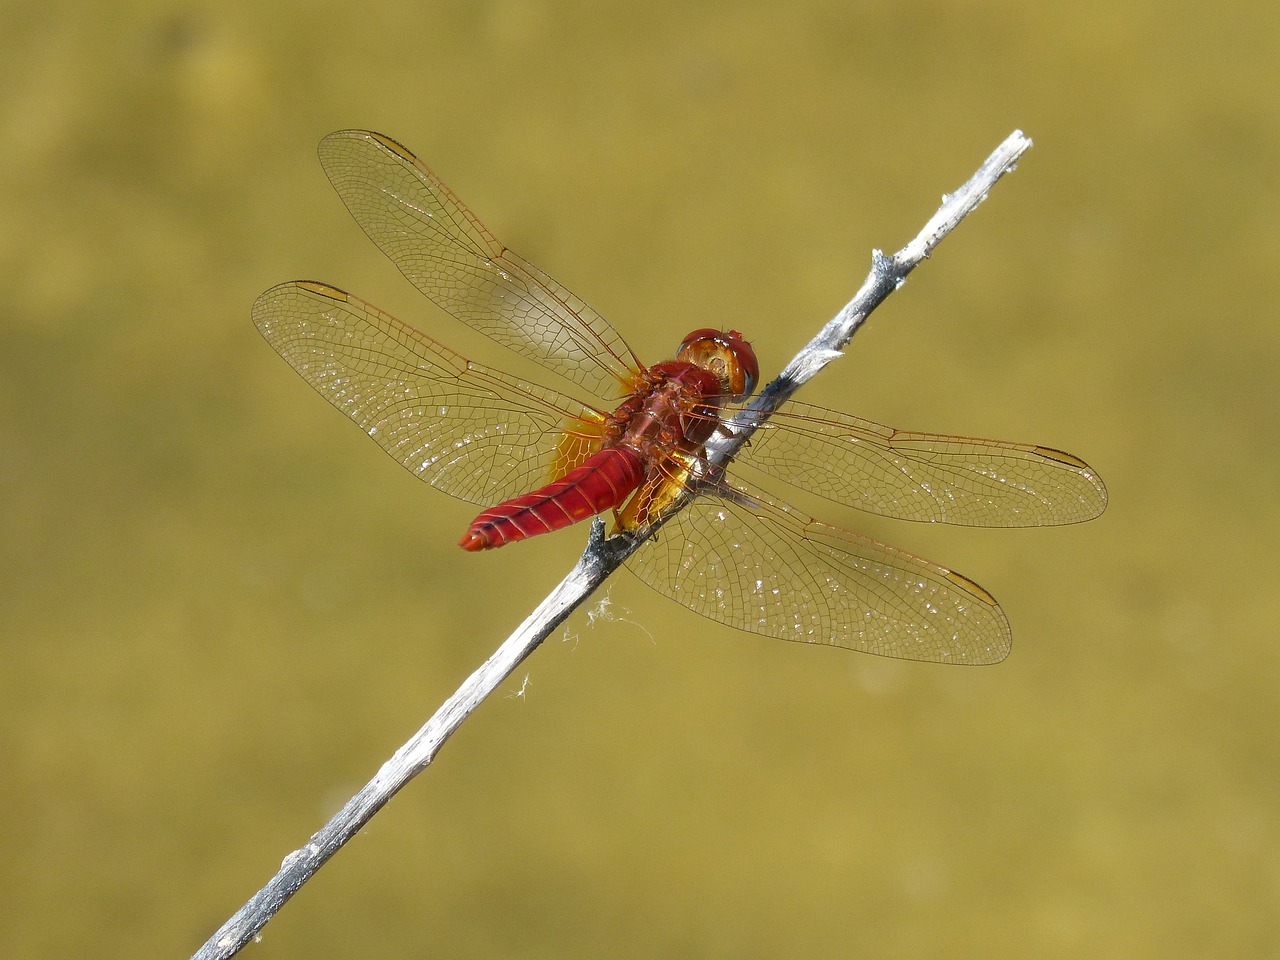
(748, 561)
(476, 434)
(924, 476)
(448, 254)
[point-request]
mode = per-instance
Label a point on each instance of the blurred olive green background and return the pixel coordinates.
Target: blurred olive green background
(221, 607)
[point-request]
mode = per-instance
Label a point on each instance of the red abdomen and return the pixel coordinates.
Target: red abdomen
(603, 481)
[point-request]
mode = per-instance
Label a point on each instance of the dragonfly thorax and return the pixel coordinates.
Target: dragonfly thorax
(679, 407)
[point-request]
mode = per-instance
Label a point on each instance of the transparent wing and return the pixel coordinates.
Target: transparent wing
(476, 434)
(924, 476)
(448, 254)
(746, 560)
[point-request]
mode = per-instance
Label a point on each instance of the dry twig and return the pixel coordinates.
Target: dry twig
(601, 558)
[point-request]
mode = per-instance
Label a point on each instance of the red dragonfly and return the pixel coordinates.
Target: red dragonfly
(638, 447)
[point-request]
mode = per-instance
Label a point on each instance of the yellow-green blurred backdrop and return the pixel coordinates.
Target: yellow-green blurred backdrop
(221, 607)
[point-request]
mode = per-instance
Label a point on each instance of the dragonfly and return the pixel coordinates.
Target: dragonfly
(632, 440)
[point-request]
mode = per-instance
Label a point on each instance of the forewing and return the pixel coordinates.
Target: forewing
(448, 254)
(751, 562)
(922, 476)
(473, 433)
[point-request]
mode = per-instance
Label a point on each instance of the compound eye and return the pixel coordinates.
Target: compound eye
(726, 354)
(746, 358)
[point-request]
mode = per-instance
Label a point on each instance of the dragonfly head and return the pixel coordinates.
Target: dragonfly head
(727, 355)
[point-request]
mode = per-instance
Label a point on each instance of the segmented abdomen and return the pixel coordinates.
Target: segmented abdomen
(602, 482)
